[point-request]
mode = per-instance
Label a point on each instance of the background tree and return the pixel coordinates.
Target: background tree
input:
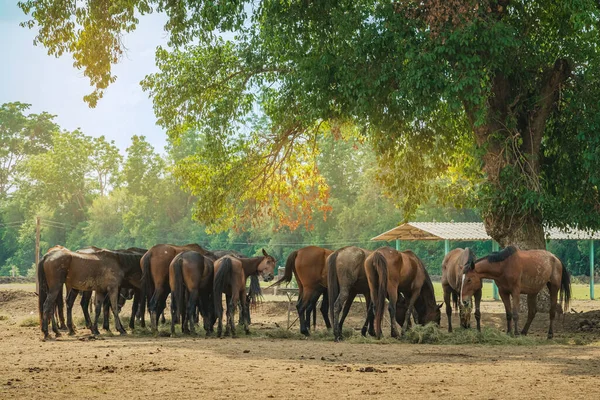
(469, 102)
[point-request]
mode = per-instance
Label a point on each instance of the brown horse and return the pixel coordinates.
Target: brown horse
(103, 272)
(452, 269)
(155, 278)
(309, 266)
(347, 278)
(230, 277)
(520, 272)
(125, 293)
(191, 280)
(389, 272)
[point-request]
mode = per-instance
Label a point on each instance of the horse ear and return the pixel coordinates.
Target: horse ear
(440, 306)
(264, 253)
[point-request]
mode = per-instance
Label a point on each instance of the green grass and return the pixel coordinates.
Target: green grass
(29, 321)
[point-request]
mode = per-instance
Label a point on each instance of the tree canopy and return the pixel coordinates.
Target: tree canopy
(492, 103)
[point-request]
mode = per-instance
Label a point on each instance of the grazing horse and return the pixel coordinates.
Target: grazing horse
(155, 278)
(191, 281)
(389, 272)
(309, 266)
(230, 277)
(519, 272)
(125, 293)
(347, 278)
(452, 269)
(104, 271)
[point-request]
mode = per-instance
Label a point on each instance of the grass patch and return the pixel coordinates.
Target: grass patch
(29, 322)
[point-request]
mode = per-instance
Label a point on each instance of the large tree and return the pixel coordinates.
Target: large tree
(492, 103)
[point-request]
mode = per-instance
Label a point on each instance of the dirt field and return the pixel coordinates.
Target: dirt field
(258, 367)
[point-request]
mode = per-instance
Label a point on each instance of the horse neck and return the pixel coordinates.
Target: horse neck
(489, 270)
(250, 265)
(428, 296)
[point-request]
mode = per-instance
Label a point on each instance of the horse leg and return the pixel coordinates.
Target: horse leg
(340, 302)
(98, 304)
(49, 309)
(228, 312)
(61, 310)
(85, 307)
(325, 309)
(191, 311)
(553, 300)
(134, 308)
(477, 296)
(447, 293)
(505, 296)
(219, 319)
(71, 297)
(393, 302)
(244, 310)
(345, 311)
(114, 304)
(173, 312)
(231, 307)
(105, 313)
(312, 306)
(515, 307)
(411, 306)
(531, 311)
(370, 315)
(301, 307)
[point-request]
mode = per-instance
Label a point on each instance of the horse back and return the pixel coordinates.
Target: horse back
(311, 266)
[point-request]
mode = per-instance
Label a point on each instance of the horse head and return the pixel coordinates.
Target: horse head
(266, 268)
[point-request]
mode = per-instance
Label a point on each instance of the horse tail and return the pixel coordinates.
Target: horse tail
(254, 292)
(42, 287)
(333, 284)
(565, 288)
(290, 265)
(178, 294)
(454, 299)
(379, 272)
(147, 283)
(222, 276)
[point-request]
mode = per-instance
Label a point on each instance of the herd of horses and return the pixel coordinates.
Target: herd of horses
(197, 278)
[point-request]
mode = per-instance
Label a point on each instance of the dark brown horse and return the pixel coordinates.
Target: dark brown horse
(520, 272)
(309, 266)
(155, 278)
(452, 269)
(389, 272)
(346, 279)
(104, 271)
(230, 278)
(127, 292)
(191, 280)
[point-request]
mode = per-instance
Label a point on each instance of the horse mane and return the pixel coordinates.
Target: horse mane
(501, 255)
(470, 263)
(427, 291)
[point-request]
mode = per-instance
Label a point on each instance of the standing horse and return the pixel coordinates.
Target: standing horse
(452, 269)
(230, 277)
(103, 272)
(155, 278)
(191, 280)
(520, 272)
(389, 272)
(309, 266)
(347, 278)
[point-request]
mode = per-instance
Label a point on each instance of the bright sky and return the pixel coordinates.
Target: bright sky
(29, 75)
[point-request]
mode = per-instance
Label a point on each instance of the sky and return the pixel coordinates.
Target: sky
(29, 75)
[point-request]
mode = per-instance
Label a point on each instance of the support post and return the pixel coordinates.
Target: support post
(398, 244)
(37, 253)
(495, 247)
(591, 269)
(446, 246)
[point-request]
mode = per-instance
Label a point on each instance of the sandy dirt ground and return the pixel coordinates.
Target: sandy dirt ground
(258, 367)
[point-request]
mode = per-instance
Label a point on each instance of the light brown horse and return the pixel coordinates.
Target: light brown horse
(452, 270)
(309, 266)
(346, 279)
(103, 272)
(230, 278)
(389, 272)
(191, 280)
(155, 278)
(519, 272)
